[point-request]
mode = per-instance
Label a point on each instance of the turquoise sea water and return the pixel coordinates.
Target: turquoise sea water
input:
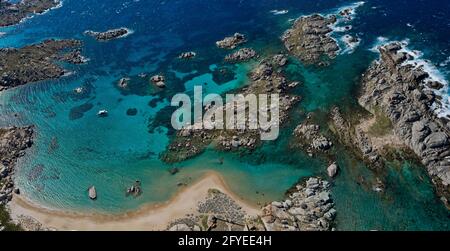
(75, 149)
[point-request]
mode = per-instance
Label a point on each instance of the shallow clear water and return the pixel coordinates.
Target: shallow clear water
(75, 149)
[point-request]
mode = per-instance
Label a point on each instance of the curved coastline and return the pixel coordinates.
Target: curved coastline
(148, 217)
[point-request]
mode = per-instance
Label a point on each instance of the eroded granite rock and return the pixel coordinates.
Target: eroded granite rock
(37, 62)
(398, 88)
(309, 208)
(309, 39)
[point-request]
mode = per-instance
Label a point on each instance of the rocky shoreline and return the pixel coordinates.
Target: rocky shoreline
(308, 207)
(14, 13)
(309, 39)
(14, 141)
(37, 62)
(399, 89)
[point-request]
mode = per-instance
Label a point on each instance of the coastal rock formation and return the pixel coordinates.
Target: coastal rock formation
(243, 54)
(308, 136)
(158, 80)
(309, 208)
(309, 39)
(398, 88)
(266, 78)
(12, 13)
(37, 62)
(231, 42)
(13, 143)
(333, 170)
(109, 34)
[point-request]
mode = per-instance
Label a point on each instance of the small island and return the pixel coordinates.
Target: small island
(109, 34)
(37, 62)
(309, 39)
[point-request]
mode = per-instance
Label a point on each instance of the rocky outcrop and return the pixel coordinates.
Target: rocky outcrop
(333, 170)
(309, 39)
(37, 62)
(353, 137)
(243, 54)
(309, 208)
(108, 35)
(13, 143)
(12, 13)
(232, 42)
(398, 88)
(187, 55)
(309, 137)
(159, 81)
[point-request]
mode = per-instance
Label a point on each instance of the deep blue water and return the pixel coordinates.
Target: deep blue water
(75, 149)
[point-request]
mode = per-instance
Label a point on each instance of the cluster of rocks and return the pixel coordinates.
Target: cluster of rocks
(399, 89)
(108, 35)
(280, 60)
(243, 54)
(36, 62)
(73, 57)
(14, 12)
(13, 143)
(135, 190)
(187, 55)
(266, 78)
(232, 42)
(309, 208)
(309, 39)
(158, 80)
(308, 135)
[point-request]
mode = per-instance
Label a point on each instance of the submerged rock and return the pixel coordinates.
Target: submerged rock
(132, 112)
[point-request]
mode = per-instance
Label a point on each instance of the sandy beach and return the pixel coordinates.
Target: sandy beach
(149, 217)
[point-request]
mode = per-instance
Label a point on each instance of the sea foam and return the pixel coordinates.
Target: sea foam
(279, 12)
(418, 61)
